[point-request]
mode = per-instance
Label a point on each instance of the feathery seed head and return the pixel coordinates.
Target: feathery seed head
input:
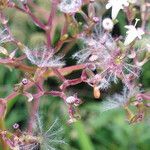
(45, 140)
(116, 101)
(43, 57)
(51, 138)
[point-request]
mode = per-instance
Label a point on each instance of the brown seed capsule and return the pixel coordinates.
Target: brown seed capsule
(96, 92)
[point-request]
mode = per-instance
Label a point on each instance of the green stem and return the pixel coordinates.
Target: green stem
(84, 140)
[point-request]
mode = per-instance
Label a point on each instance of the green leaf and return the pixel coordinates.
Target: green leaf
(84, 140)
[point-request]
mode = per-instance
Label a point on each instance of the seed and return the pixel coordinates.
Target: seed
(96, 92)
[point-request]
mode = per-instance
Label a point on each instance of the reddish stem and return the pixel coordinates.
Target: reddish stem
(35, 107)
(50, 21)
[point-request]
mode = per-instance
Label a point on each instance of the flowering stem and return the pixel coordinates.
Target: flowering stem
(27, 11)
(34, 111)
(145, 96)
(50, 22)
(55, 93)
(65, 26)
(84, 16)
(57, 72)
(35, 108)
(53, 12)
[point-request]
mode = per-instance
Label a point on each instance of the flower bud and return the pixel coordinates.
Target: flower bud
(64, 37)
(24, 81)
(108, 24)
(16, 126)
(70, 100)
(96, 19)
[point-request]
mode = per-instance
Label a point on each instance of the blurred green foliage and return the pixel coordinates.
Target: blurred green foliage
(96, 131)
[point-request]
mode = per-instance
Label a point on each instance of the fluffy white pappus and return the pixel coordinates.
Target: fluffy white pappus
(117, 65)
(51, 138)
(106, 80)
(4, 36)
(116, 101)
(82, 56)
(132, 69)
(97, 47)
(33, 146)
(70, 6)
(43, 57)
(104, 84)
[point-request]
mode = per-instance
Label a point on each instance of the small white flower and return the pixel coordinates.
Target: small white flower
(43, 57)
(70, 100)
(133, 33)
(116, 5)
(70, 6)
(107, 24)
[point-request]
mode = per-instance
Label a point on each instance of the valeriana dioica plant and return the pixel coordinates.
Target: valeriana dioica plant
(104, 60)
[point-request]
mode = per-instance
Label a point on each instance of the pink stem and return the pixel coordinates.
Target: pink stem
(35, 19)
(50, 22)
(35, 107)
(145, 96)
(27, 11)
(57, 72)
